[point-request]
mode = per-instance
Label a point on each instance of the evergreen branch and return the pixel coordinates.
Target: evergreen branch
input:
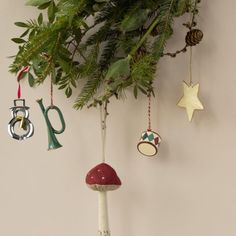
(107, 12)
(49, 63)
(121, 31)
(151, 27)
(189, 25)
(70, 8)
(104, 33)
(31, 49)
(88, 91)
(145, 36)
(90, 65)
(108, 54)
(144, 69)
(166, 32)
(43, 73)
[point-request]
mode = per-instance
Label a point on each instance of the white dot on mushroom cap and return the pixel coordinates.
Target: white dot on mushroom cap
(103, 177)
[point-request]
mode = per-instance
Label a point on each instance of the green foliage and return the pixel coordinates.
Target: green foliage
(89, 67)
(117, 51)
(31, 80)
(143, 71)
(180, 7)
(119, 69)
(18, 40)
(36, 2)
(164, 22)
(88, 91)
(134, 20)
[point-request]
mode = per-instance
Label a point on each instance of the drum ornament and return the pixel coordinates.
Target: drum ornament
(150, 140)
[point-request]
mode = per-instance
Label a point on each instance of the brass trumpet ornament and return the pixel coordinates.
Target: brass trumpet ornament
(52, 139)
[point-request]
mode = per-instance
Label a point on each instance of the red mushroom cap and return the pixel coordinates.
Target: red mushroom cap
(103, 178)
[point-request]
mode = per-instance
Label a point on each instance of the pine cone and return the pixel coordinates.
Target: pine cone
(193, 37)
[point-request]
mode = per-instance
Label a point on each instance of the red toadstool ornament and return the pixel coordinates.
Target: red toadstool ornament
(103, 178)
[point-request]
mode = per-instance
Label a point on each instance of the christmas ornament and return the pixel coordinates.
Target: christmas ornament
(103, 178)
(20, 116)
(149, 143)
(150, 140)
(190, 100)
(52, 140)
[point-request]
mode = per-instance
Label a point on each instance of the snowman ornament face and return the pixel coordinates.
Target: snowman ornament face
(20, 117)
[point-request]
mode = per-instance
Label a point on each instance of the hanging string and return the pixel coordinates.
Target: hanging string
(190, 66)
(53, 77)
(51, 90)
(149, 112)
(192, 20)
(103, 119)
(18, 80)
(19, 91)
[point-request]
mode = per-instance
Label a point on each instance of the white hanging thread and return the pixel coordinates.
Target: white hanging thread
(190, 67)
(192, 20)
(103, 119)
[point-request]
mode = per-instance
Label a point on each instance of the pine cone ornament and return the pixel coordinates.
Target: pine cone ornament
(193, 37)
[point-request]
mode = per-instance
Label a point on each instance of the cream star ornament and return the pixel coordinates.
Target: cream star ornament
(190, 100)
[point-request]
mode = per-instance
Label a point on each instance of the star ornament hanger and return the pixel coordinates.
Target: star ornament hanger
(190, 100)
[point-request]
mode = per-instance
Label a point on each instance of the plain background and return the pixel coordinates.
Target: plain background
(190, 189)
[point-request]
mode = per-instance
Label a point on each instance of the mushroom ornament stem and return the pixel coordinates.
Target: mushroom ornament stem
(103, 222)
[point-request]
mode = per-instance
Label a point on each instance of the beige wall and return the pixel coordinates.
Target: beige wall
(189, 190)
